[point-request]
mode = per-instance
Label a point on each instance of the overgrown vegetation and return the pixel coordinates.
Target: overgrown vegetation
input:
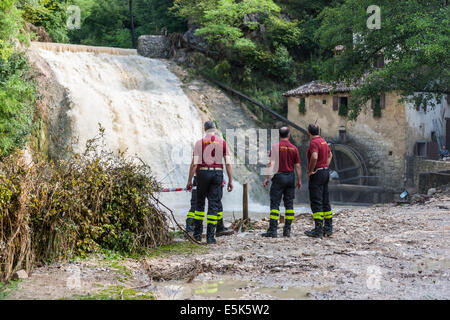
(50, 14)
(53, 210)
(108, 23)
(413, 37)
(17, 88)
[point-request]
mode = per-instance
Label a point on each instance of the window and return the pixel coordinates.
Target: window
(324, 101)
(302, 106)
(335, 103)
(378, 103)
(379, 61)
(343, 106)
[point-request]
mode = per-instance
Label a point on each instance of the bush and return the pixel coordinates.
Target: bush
(75, 206)
(16, 102)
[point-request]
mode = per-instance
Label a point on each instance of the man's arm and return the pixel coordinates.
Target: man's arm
(312, 163)
(229, 169)
(330, 156)
(298, 170)
(192, 169)
(268, 170)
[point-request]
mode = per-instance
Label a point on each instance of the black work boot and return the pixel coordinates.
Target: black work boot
(317, 232)
(198, 230)
(210, 231)
(272, 231)
(221, 230)
(189, 225)
(328, 227)
(287, 228)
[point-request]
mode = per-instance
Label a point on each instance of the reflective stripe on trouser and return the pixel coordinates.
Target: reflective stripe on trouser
(219, 215)
(274, 214)
(191, 215)
(318, 194)
(199, 215)
(289, 214)
(318, 215)
(211, 219)
(328, 215)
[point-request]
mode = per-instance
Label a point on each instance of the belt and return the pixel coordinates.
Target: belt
(323, 168)
(211, 168)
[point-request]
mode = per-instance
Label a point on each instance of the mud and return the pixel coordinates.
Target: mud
(380, 252)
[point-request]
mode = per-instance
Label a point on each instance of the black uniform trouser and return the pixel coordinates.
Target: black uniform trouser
(319, 196)
(283, 187)
(191, 213)
(209, 187)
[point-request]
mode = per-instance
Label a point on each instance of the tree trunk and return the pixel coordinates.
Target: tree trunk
(133, 37)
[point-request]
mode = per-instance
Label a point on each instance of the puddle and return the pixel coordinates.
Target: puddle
(227, 289)
(296, 293)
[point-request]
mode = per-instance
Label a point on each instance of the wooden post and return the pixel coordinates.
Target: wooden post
(245, 203)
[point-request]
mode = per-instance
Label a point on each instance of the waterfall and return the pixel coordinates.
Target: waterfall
(142, 107)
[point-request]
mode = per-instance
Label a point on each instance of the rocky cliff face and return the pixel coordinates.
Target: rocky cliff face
(156, 47)
(52, 103)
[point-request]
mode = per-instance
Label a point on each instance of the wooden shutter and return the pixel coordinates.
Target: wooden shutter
(380, 61)
(383, 101)
(335, 103)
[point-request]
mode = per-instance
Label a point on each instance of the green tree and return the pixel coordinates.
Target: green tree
(109, 23)
(16, 86)
(50, 14)
(413, 39)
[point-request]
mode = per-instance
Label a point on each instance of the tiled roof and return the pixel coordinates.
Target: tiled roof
(317, 87)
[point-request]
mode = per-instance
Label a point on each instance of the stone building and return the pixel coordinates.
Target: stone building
(388, 134)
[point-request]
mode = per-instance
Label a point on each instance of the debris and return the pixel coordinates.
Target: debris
(21, 274)
(431, 191)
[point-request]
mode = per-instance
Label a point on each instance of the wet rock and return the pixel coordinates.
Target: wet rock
(194, 41)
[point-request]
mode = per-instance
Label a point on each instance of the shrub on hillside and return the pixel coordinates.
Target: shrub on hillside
(75, 206)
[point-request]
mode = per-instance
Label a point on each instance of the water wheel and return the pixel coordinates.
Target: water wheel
(347, 167)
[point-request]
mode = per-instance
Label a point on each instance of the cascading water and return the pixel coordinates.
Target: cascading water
(142, 107)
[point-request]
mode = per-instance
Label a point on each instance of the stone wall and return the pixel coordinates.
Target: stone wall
(156, 47)
(422, 165)
(381, 141)
(433, 180)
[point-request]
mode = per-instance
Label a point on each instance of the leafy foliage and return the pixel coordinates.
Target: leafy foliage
(16, 85)
(50, 14)
(107, 22)
(414, 39)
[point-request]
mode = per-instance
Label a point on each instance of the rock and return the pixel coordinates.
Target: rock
(21, 274)
(417, 198)
(193, 41)
(40, 32)
(431, 191)
(151, 46)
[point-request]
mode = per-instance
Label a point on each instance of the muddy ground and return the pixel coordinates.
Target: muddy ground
(381, 252)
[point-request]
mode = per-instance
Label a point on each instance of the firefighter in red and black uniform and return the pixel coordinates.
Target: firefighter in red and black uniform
(284, 159)
(209, 153)
(319, 158)
(221, 230)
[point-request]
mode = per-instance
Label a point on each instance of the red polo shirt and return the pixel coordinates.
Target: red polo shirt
(319, 145)
(288, 155)
(210, 151)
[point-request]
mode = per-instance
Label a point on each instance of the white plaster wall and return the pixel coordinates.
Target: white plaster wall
(420, 123)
